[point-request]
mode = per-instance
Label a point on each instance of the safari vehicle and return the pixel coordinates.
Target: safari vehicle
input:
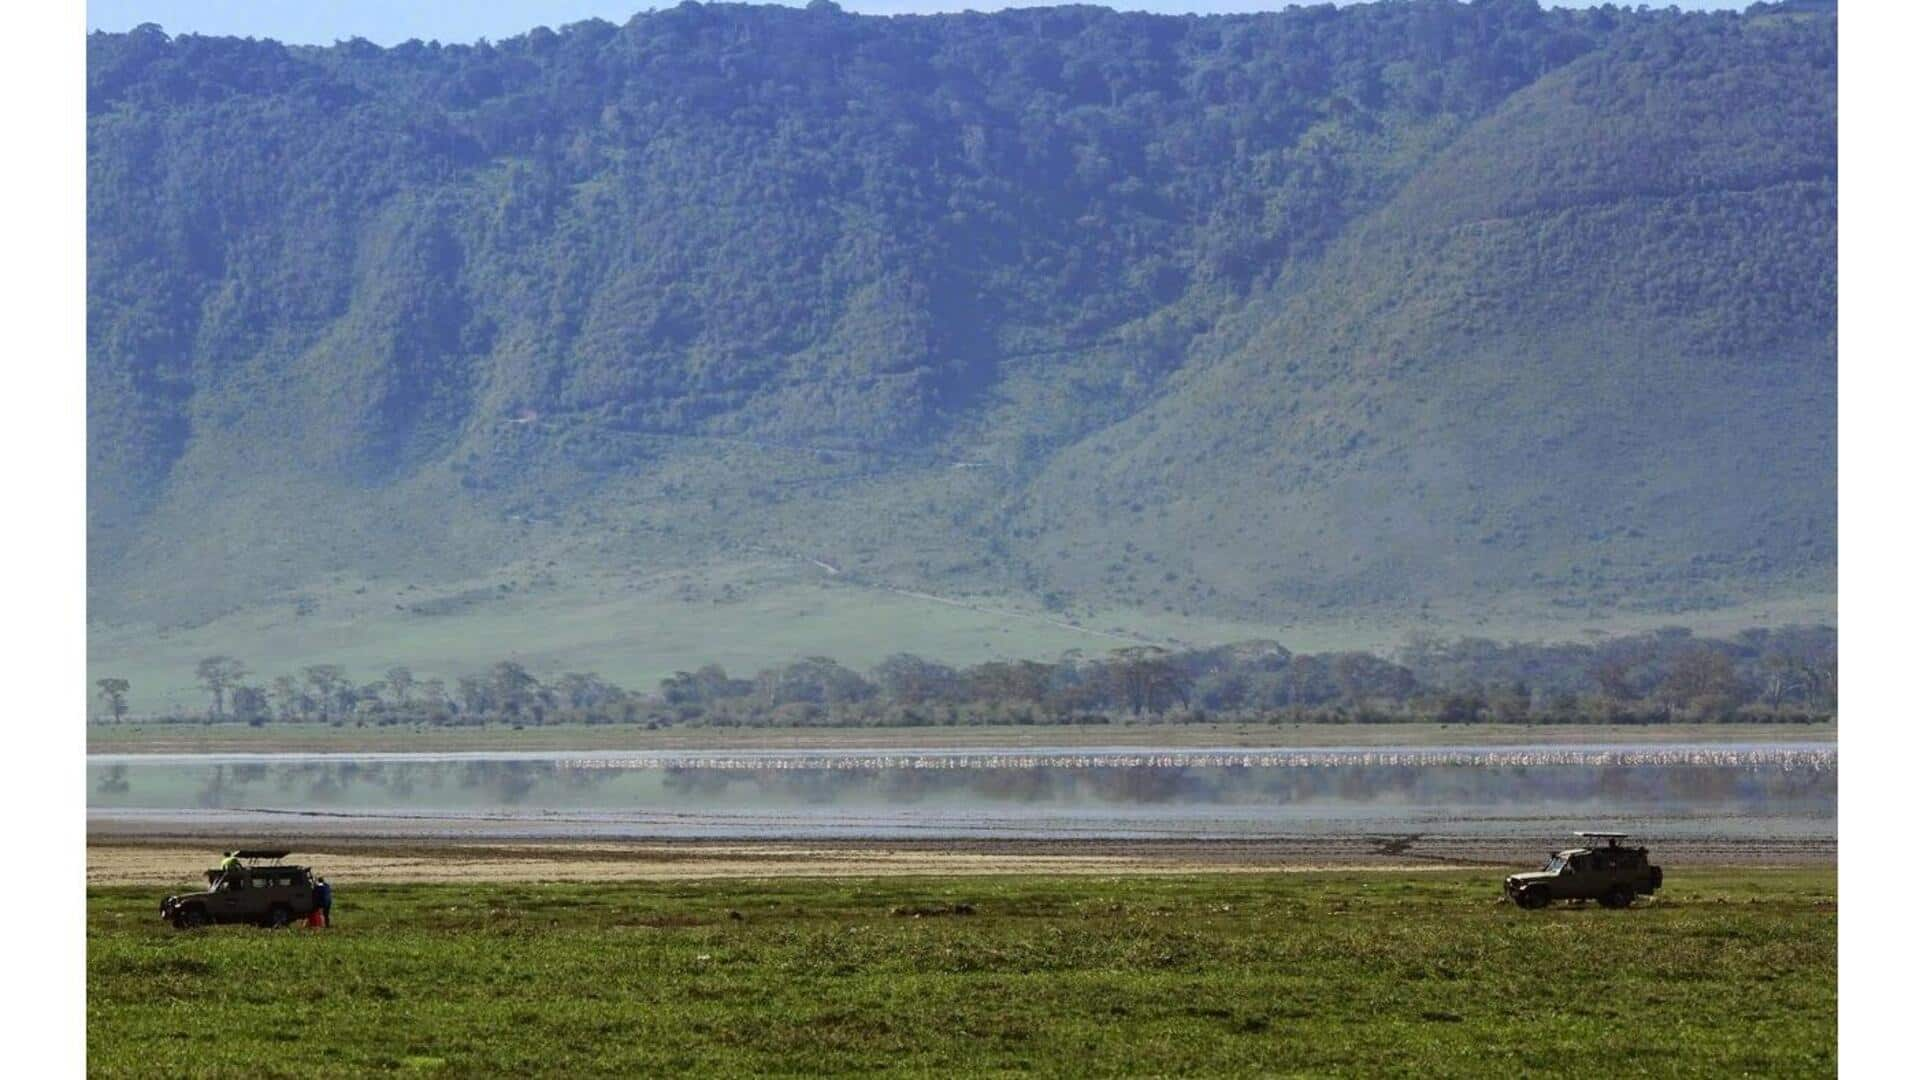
(1613, 874)
(273, 894)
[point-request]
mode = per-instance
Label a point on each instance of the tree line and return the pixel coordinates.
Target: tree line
(1786, 675)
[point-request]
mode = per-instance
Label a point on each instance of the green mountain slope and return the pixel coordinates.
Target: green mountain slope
(1328, 321)
(1578, 358)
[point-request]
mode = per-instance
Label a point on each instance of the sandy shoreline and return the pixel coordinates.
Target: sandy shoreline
(229, 738)
(178, 859)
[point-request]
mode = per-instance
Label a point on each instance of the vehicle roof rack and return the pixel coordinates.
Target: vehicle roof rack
(261, 853)
(1612, 838)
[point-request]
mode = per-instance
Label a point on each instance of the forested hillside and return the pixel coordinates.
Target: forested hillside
(1399, 313)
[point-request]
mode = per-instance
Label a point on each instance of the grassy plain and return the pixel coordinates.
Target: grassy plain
(269, 738)
(639, 628)
(1728, 972)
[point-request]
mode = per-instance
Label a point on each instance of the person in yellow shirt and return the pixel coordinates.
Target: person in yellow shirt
(229, 870)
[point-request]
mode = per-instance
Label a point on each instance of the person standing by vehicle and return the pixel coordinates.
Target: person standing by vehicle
(323, 900)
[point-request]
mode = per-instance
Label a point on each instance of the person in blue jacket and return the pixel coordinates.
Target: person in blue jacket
(323, 898)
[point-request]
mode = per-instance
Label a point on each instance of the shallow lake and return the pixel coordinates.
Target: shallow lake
(1777, 790)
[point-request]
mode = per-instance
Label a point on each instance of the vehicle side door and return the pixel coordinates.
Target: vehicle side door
(1585, 879)
(1612, 871)
(224, 902)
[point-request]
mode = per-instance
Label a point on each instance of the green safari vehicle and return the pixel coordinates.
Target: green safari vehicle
(272, 894)
(1612, 873)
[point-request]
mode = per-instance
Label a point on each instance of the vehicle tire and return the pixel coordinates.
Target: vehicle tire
(1533, 898)
(192, 919)
(1620, 896)
(279, 916)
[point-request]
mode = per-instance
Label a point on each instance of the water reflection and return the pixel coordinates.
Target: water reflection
(1801, 782)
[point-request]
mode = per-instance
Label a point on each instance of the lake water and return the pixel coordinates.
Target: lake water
(1729, 791)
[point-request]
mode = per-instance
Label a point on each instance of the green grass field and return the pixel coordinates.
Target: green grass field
(1363, 973)
(639, 630)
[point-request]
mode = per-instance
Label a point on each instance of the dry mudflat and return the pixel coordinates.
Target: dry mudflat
(319, 738)
(178, 859)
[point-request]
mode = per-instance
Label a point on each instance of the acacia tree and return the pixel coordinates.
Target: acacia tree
(709, 684)
(584, 690)
(400, 682)
(433, 697)
(218, 674)
(1704, 680)
(1823, 679)
(1779, 677)
(1309, 680)
(1146, 678)
(327, 681)
(1025, 681)
(1362, 677)
(816, 679)
(288, 700)
(113, 695)
(907, 679)
(250, 704)
(474, 696)
(511, 686)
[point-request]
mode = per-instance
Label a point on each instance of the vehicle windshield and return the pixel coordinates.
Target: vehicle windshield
(1554, 864)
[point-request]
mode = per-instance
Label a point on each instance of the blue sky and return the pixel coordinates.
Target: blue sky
(388, 22)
